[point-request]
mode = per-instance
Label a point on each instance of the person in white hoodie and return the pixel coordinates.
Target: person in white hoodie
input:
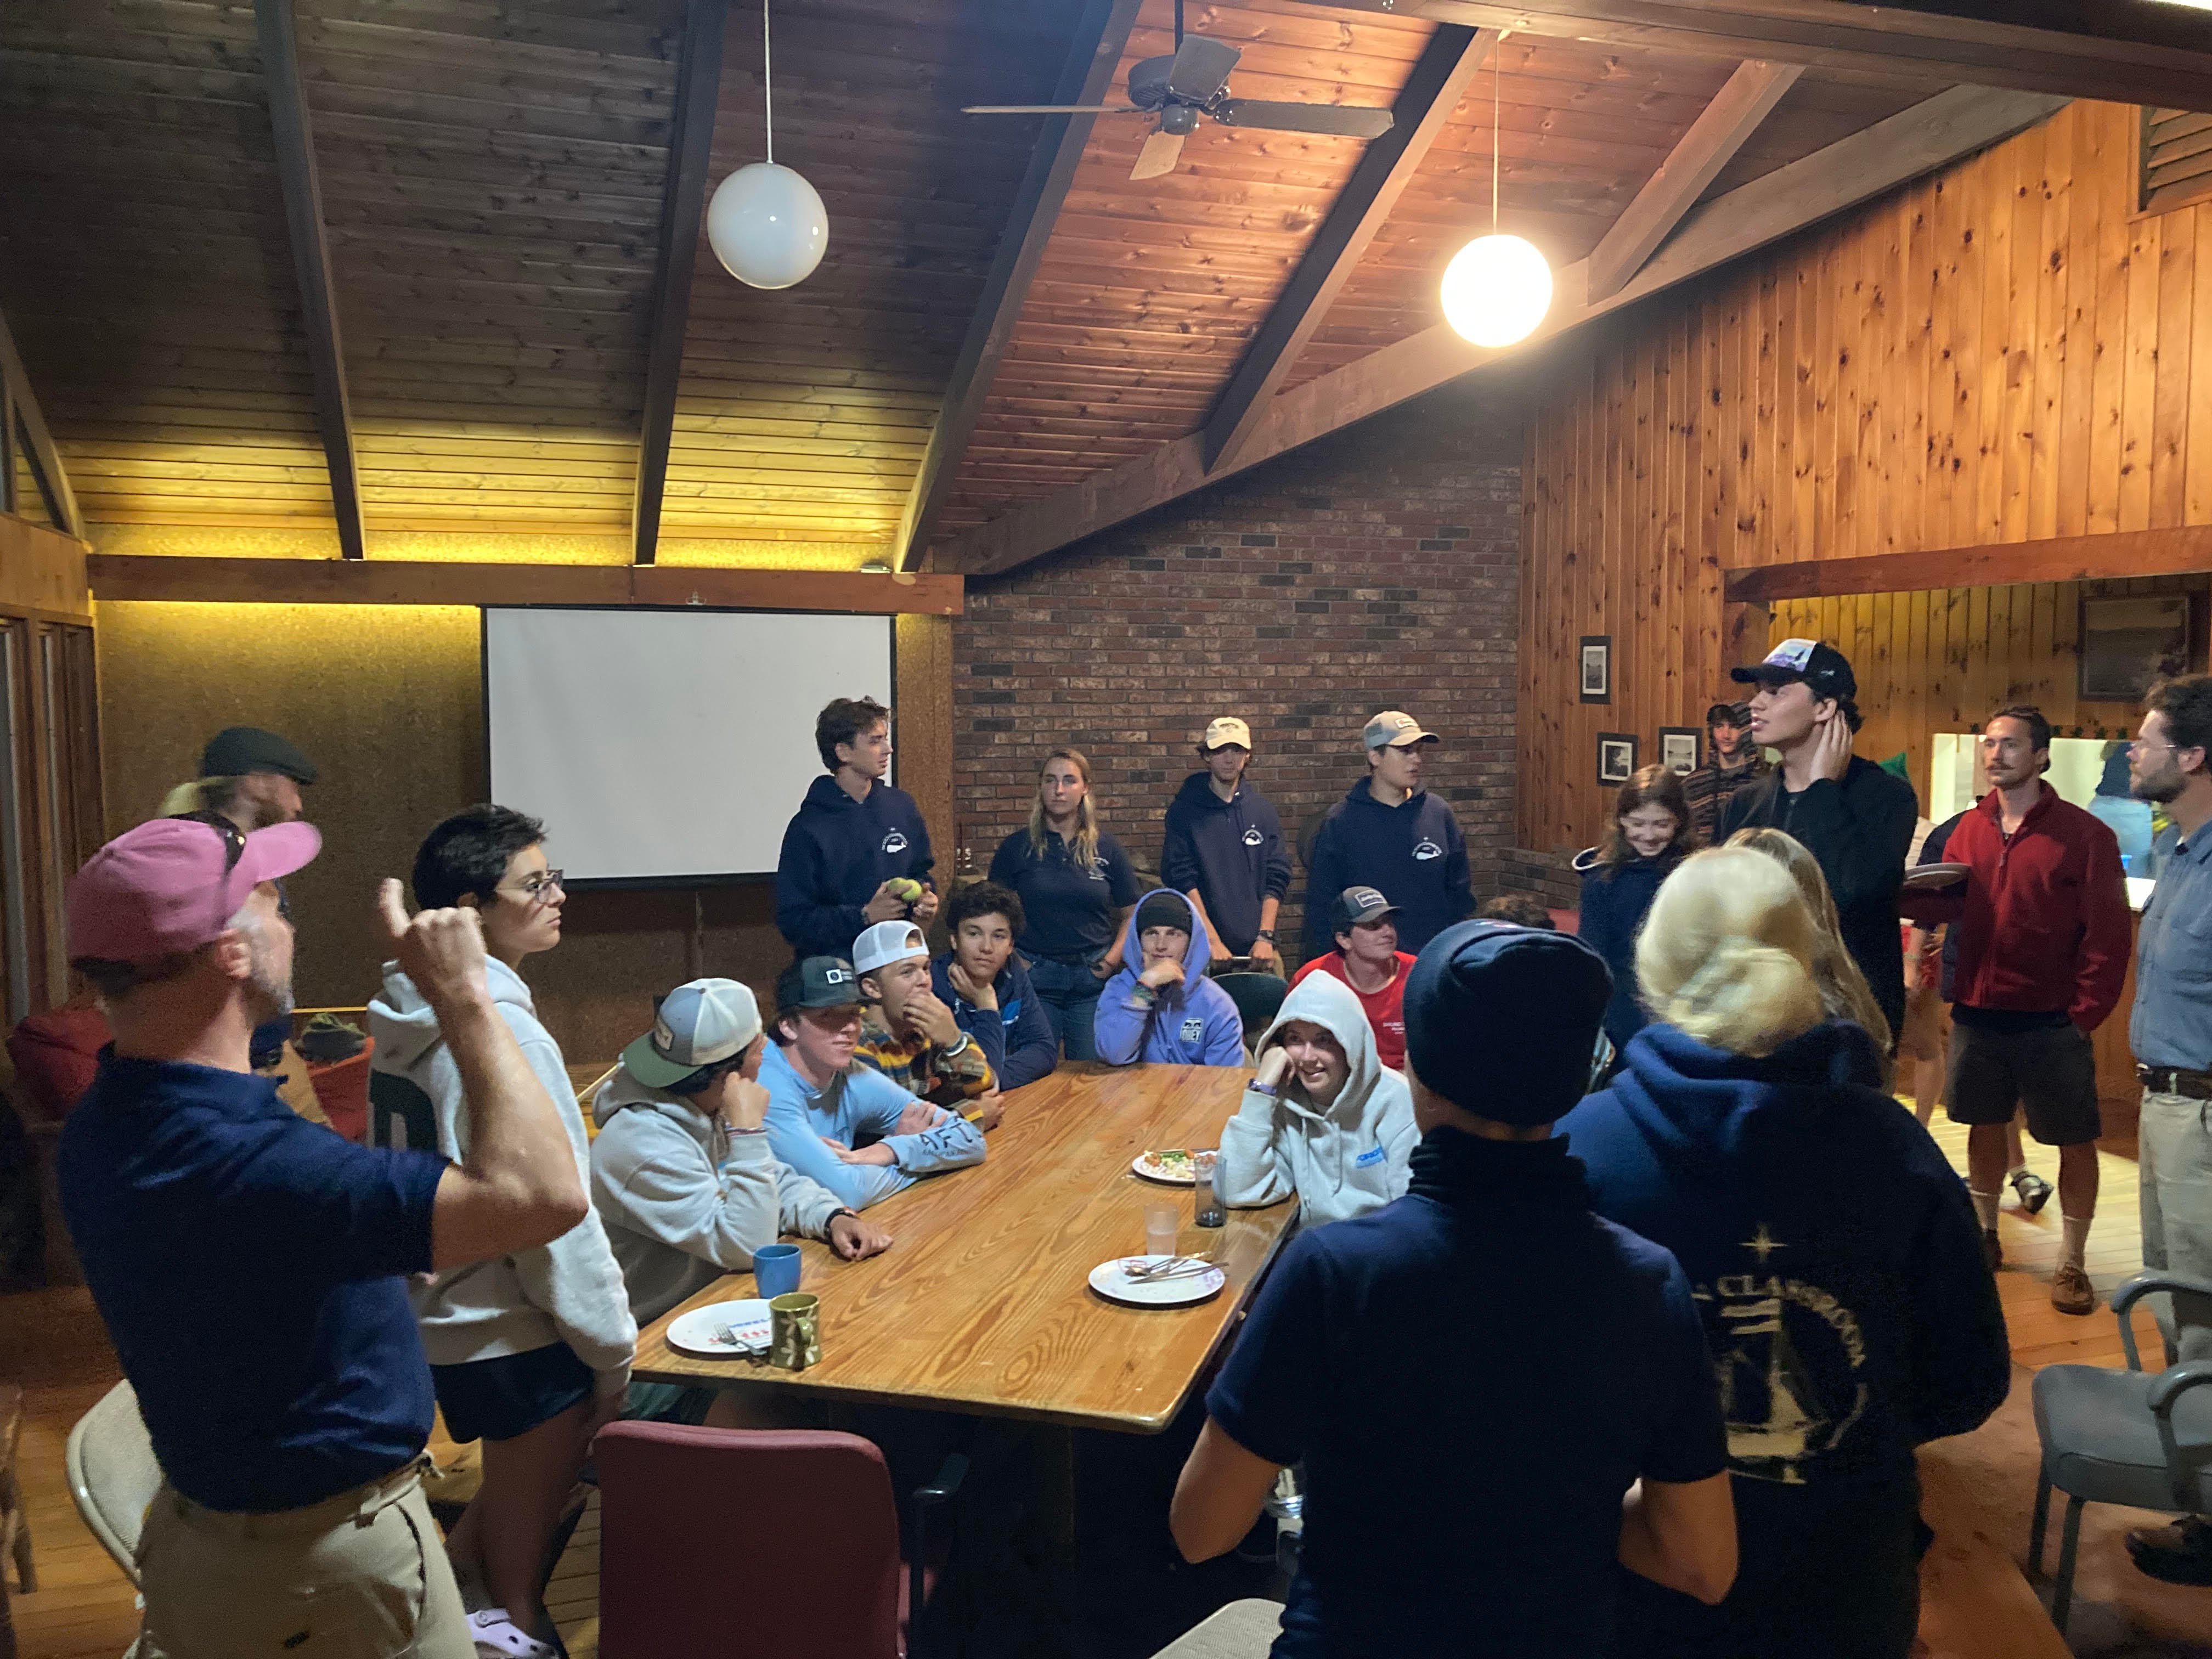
(530, 1352)
(1322, 1119)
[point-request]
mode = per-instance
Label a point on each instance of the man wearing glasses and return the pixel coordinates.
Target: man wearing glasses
(530, 1352)
(2170, 1033)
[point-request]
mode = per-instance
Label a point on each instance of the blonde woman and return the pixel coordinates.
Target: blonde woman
(1077, 887)
(1844, 993)
(1835, 1258)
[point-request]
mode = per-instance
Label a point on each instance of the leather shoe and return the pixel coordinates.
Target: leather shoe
(2178, 1554)
(2071, 1292)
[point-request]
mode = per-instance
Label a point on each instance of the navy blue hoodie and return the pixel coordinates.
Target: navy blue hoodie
(1615, 899)
(837, 852)
(1030, 1050)
(1412, 854)
(1231, 851)
(1831, 1249)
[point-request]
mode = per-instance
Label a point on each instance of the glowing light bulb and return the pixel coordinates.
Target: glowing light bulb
(1496, 290)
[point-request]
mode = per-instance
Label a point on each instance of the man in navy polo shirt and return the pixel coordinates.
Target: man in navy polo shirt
(248, 1263)
(1496, 1395)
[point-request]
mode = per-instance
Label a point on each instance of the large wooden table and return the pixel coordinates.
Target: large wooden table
(983, 1306)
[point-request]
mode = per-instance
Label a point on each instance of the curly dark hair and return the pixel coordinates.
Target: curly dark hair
(985, 898)
(2186, 701)
(469, 852)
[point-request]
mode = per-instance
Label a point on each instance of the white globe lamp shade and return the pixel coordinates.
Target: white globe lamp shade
(1496, 290)
(767, 226)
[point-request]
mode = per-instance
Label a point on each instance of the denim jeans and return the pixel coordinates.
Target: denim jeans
(1070, 996)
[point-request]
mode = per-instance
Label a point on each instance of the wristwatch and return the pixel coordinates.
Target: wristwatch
(834, 1214)
(1266, 933)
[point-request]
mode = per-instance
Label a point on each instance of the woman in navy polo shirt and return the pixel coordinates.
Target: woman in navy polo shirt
(1077, 886)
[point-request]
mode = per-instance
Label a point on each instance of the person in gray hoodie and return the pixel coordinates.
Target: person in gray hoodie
(1320, 1120)
(682, 1174)
(530, 1352)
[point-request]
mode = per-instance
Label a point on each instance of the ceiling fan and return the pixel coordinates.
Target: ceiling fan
(1194, 81)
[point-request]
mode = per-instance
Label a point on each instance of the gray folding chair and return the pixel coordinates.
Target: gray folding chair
(2137, 1437)
(112, 1476)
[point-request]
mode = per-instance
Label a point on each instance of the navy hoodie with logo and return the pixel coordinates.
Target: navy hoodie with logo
(1831, 1249)
(1230, 851)
(1412, 854)
(836, 852)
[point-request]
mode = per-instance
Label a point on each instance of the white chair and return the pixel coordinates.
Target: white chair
(112, 1476)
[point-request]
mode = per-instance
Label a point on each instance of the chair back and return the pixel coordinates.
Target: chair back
(112, 1476)
(1259, 999)
(805, 1518)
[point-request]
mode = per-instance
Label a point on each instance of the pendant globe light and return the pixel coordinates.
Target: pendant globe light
(1498, 287)
(765, 223)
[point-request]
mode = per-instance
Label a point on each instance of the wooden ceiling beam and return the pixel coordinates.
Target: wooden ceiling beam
(1931, 134)
(1102, 34)
(1928, 49)
(1696, 161)
(683, 203)
(1421, 111)
(2179, 550)
(294, 136)
(19, 410)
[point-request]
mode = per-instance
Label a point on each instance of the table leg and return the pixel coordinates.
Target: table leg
(1055, 1454)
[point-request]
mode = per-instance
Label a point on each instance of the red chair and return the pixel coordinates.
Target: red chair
(803, 1520)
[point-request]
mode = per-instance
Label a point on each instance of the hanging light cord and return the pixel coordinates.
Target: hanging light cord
(768, 84)
(1497, 96)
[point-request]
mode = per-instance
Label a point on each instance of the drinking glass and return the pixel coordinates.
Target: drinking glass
(1162, 1222)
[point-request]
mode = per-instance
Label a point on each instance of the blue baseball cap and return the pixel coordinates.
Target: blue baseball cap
(1501, 1020)
(702, 1023)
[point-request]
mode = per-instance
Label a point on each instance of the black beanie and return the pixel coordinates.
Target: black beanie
(1164, 909)
(1502, 1021)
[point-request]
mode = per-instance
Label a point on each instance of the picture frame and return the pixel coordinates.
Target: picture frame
(1681, 748)
(1596, 660)
(1616, 758)
(2129, 640)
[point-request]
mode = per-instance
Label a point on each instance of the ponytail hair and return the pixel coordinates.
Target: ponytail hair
(1726, 953)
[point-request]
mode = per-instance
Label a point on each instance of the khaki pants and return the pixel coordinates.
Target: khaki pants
(2175, 1169)
(360, 1576)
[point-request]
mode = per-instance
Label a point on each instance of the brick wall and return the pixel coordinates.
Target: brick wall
(1377, 569)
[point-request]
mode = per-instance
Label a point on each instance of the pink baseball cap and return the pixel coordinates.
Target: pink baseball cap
(169, 886)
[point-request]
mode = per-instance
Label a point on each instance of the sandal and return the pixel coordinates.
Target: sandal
(498, 1637)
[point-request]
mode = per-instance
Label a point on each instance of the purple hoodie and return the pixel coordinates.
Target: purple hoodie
(1192, 1023)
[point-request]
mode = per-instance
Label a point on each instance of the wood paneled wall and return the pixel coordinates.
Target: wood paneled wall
(1999, 353)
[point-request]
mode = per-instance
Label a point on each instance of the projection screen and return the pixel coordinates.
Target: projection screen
(666, 745)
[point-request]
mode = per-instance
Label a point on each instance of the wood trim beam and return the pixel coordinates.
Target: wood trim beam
(45, 462)
(301, 186)
(1696, 161)
(1910, 47)
(397, 581)
(683, 204)
(1422, 111)
(1102, 34)
(42, 572)
(1931, 134)
(2051, 559)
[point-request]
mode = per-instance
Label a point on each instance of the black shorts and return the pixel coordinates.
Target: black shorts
(499, 1399)
(2051, 1071)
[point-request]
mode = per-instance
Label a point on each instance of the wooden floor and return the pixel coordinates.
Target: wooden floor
(1977, 1605)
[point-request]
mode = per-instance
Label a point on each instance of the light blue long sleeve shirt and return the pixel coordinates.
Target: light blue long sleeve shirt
(858, 1102)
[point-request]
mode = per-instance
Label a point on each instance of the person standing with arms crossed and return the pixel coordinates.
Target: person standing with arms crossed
(1224, 851)
(2041, 920)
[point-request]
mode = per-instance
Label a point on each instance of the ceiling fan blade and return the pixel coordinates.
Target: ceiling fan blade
(1159, 155)
(1340, 120)
(1052, 109)
(1200, 68)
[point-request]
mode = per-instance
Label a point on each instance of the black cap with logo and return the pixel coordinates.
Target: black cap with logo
(818, 983)
(1822, 667)
(1358, 906)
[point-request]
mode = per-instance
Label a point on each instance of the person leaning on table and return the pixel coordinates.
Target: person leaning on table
(249, 1265)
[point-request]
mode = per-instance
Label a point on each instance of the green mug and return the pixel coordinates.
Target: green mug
(795, 1330)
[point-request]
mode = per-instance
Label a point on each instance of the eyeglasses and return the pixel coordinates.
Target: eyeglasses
(539, 888)
(2145, 742)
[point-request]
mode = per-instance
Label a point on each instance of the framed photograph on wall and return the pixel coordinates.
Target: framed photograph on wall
(2129, 639)
(1679, 746)
(1597, 668)
(1616, 756)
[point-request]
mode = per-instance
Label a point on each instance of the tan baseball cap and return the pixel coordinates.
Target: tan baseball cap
(1393, 729)
(1225, 730)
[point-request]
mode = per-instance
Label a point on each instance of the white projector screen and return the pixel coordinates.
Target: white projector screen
(666, 745)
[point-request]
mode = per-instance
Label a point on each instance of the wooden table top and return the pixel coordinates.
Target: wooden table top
(983, 1306)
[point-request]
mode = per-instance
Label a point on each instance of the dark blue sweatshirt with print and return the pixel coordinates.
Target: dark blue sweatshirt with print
(1833, 1250)
(1412, 854)
(1231, 851)
(837, 852)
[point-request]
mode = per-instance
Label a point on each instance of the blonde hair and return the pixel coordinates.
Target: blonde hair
(1726, 953)
(1082, 850)
(200, 795)
(1844, 989)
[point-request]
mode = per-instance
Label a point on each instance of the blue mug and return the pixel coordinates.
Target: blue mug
(775, 1270)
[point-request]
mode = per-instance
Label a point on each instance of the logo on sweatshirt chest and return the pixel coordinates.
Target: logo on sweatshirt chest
(1194, 1029)
(1370, 1159)
(896, 841)
(1253, 837)
(1425, 849)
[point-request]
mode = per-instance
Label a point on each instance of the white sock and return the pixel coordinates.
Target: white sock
(1985, 1206)
(2016, 1172)
(2076, 1240)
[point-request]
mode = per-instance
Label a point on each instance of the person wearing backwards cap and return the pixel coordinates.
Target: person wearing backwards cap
(1495, 1394)
(1161, 1007)
(682, 1172)
(1389, 833)
(1855, 818)
(1368, 960)
(1223, 850)
(822, 1106)
(249, 1266)
(912, 1038)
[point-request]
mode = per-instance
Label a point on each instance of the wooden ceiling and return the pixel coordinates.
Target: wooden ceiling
(1007, 331)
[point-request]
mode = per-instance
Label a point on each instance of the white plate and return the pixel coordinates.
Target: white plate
(1138, 1167)
(1936, 875)
(1111, 1281)
(696, 1332)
